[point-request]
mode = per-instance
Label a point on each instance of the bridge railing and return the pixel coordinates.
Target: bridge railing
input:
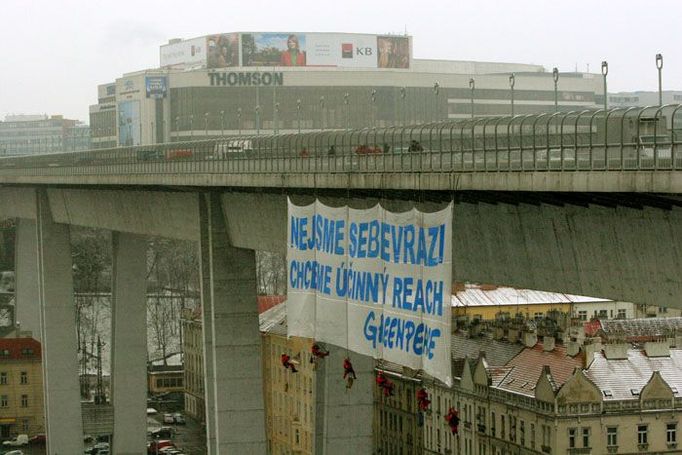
(645, 138)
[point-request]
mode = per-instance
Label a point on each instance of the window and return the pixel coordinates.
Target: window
(532, 435)
(522, 431)
(25, 425)
(502, 432)
(3, 378)
(24, 377)
(571, 438)
(492, 424)
(586, 437)
(621, 313)
(4, 401)
(582, 315)
(612, 436)
(642, 434)
(24, 401)
(671, 433)
(603, 314)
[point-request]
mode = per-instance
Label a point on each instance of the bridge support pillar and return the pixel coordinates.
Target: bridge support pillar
(234, 354)
(64, 424)
(129, 343)
(343, 419)
(26, 277)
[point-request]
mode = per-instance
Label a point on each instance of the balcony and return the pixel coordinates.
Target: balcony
(580, 451)
(612, 449)
(643, 446)
(546, 449)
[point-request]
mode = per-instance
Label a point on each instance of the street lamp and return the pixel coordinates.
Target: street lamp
(257, 120)
(177, 126)
(347, 103)
(205, 124)
(659, 66)
(239, 120)
(555, 76)
(604, 73)
(403, 94)
(191, 125)
(512, 82)
(472, 86)
(276, 117)
(373, 96)
(322, 112)
(436, 89)
(298, 114)
(222, 123)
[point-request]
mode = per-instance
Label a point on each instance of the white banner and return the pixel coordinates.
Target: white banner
(374, 282)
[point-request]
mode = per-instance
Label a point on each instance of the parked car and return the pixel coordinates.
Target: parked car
(155, 446)
(152, 411)
(14, 452)
(39, 439)
(168, 418)
(98, 449)
(179, 419)
(163, 433)
(19, 440)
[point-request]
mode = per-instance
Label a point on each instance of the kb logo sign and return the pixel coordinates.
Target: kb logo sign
(365, 51)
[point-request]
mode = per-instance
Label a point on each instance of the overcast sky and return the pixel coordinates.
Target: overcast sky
(55, 52)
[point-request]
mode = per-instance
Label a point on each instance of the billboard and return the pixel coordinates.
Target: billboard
(156, 86)
(393, 52)
(373, 282)
(273, 49)
(129, 123)
(186, 53)
(222, 50)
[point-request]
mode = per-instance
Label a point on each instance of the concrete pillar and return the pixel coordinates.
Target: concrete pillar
(64, 422)
(26, 290)
(129, 344)
(207, 330)
(343, 417)
(236, 342)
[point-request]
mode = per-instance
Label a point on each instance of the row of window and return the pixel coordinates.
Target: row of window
(168, 382)
(4, 401)
(584, 433)
(603, 314)
(5, 378)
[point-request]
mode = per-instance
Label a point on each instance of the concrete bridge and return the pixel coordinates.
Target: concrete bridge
(580, 202)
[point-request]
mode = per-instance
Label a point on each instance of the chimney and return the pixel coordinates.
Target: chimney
(590, 350)
(513, 335)
(547, 343)
(657, 349)
(616, 351)
(530, 339)
(498, 333)
(572, 348)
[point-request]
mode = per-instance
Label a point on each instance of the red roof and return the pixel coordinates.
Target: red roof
(265, 302)
(19, 349)
(591, 327)
(528, 366)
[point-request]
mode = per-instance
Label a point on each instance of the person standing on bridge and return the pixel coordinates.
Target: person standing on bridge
(348, 373)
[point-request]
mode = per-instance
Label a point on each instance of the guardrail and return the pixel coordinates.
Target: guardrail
(647, 138)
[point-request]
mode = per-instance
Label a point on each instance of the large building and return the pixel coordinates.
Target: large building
(21, 387)
(260, 83)
(35, 134)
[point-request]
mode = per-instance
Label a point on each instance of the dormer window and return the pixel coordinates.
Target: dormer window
(607, 393)
(634, 392)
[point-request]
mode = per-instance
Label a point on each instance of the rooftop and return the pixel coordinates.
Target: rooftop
(641, 329)
(480, 295)
(19, 349)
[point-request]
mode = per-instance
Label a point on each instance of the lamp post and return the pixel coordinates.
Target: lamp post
(177, 126)
(373, 97)
(222, 123)
(555, 76)
(472, 86)
(604, 73)
(436, 90)
(512, 82)
(298, 114)
(659, 66)
(239, 120)
(346, 101)
(191, 125)
(322, 112)
(403, 94)
(276, 118)
(205, 124)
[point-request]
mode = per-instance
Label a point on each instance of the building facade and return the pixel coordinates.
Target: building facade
(193, 349)
(342, 81)
(21, 387)
(34, 134)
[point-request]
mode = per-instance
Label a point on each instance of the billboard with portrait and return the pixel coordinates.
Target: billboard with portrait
(222, 50)
(128, 123)
(273, 49)
(184, 54)
(156, 86)
(393, 52)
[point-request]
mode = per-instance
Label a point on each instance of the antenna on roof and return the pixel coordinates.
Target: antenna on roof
(405, 29)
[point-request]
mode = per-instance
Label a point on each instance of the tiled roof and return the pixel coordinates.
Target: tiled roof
(274, 320)
(641, 329)
(496, 352)
(620, 377)
(265, 302)
(19, 349)
(472, 295)
(527, 366)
